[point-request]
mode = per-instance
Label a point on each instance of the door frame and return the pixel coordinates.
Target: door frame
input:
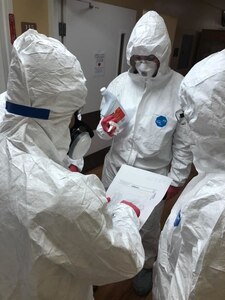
(54, 17)
(6, 7)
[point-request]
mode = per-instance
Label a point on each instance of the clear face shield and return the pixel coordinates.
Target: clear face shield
(81, 135)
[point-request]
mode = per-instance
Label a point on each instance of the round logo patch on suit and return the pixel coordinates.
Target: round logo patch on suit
(161, 121)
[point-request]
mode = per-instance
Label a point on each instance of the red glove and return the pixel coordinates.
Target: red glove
(135, 208)
(73, 168)
(107, 127)
(172, 191)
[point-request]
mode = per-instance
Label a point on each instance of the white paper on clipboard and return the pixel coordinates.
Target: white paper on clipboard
(143, 188)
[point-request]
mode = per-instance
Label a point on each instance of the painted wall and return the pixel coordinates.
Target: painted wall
(192, 16)
(139, 5)
(37, 11)
(31, 11)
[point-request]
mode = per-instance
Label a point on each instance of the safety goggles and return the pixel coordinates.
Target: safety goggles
(144, 57)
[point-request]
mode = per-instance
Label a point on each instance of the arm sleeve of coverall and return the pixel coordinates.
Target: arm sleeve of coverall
(87, 239)
(182, 156)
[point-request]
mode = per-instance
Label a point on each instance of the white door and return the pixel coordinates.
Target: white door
(97, 35)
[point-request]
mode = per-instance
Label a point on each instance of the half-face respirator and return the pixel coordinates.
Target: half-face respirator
(81, 135)
(146, 68)
(145, 65)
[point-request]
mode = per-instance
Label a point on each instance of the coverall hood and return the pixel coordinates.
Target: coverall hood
(58, 235)
(150, 36)
(203, 101)
(44, 74)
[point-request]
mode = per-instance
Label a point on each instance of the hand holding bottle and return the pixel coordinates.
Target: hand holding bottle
(114, 119)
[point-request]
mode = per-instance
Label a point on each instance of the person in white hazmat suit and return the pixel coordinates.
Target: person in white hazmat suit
(58, 237)
(191, 261)
(2, 106)
(153, 139)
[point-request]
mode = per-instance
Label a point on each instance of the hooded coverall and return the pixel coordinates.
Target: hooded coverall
(191, 261)
(58, 237)
(153, 140)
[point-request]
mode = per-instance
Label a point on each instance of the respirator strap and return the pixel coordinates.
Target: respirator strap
(27, 111)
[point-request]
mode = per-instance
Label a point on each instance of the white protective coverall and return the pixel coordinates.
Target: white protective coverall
(144, 143)
(57, 236)
(191, 260)
(2, 106)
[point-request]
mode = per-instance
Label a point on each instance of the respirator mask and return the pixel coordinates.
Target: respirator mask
(145, 65)
(146, 68)
(81, 135)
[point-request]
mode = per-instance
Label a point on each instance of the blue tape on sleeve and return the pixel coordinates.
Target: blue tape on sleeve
(27, 111)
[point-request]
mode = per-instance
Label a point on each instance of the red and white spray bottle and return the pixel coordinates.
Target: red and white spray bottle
(111, 106)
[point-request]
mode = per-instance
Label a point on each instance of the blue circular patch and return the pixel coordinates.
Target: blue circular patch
(161, 121)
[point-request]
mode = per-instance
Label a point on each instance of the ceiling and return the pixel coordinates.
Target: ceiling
(216, 3)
